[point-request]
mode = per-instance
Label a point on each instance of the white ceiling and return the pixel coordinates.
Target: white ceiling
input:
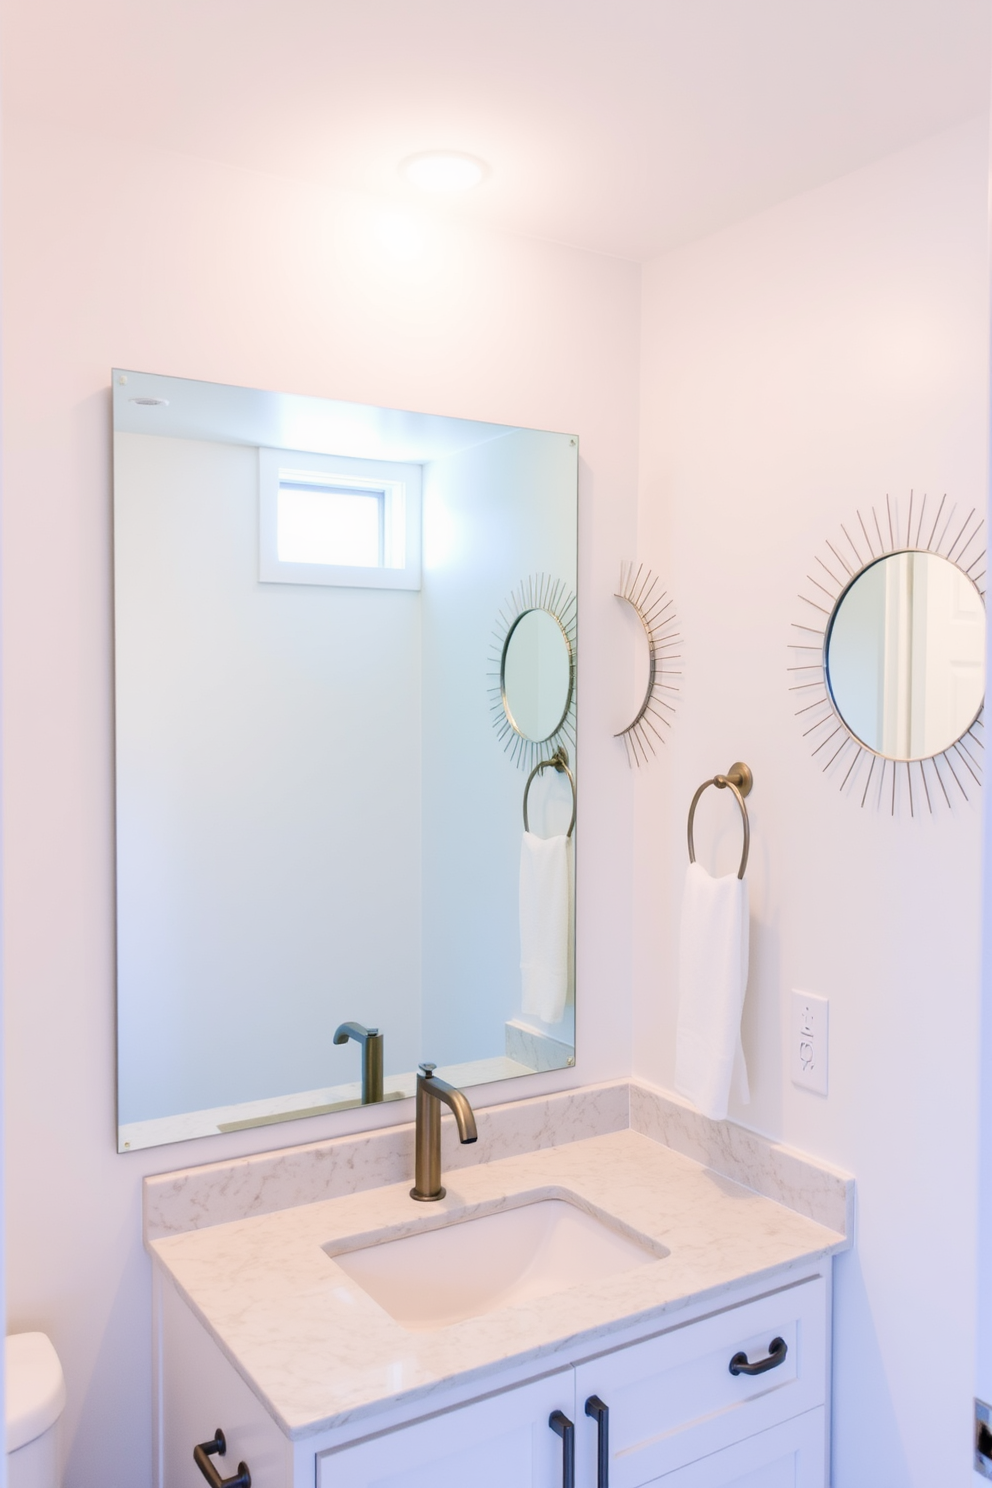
(623, 126)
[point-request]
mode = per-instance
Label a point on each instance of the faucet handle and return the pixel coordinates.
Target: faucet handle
(428, 1070)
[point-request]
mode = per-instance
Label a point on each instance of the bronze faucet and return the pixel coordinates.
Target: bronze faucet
(430, 1093)
(371, 1041)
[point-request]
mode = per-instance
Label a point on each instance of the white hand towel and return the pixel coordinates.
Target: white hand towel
(713, 956)
(545, 900)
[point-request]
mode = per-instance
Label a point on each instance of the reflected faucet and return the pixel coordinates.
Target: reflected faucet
(371, 1041)
(430, 1093)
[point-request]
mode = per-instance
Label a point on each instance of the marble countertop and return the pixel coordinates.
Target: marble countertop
(320, 1353)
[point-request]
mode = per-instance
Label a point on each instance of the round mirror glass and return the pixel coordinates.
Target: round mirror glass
(536, 676)
(905, 655)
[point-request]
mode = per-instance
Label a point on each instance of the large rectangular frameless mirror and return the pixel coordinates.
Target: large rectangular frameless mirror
(345, 654)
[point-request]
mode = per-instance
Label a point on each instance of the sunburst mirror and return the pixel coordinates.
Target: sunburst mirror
(656, 612)
(888, 661)
(532, 670)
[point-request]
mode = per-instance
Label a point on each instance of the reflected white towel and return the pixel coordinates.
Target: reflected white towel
(545, 899)
(713, 956)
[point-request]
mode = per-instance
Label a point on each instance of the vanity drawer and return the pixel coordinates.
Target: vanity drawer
(672, 1399)
(792, 1455)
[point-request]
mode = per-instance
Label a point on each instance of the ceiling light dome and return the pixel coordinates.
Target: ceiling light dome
(444, 170)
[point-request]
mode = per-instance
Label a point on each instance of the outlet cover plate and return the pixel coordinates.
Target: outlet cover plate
(983, 1439)
(809, 1037)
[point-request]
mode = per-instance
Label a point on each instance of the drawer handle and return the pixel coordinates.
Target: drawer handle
(563, 1427)
(777, 1350)
(202, 1455)
(600, 1413)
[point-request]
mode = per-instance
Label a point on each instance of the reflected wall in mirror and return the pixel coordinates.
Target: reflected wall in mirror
(900, 669)
(315, 824)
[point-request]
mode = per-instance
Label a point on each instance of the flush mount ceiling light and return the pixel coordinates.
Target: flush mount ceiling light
(444, 171)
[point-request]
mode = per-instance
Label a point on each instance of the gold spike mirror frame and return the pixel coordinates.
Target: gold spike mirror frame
(887, 664)
(639, 589)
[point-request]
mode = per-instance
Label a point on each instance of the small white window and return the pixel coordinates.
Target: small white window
(329, 525)
(330, 520)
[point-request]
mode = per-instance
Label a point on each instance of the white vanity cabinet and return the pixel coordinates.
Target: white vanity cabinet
(501, 1441)
(677, 1416)
(672, 1399)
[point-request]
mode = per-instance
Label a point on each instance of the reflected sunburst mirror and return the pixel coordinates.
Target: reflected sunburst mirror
(532, 670)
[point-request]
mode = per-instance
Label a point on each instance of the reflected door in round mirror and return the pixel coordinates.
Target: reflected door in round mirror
(905, 655)
(536, 675)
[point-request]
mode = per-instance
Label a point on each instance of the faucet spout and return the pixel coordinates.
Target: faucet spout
(458, 1104)
(431, 1093)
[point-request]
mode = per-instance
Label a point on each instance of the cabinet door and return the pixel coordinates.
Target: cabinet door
(788, 1456)
(503, 1441)
(201, 1390)
(672, 1399)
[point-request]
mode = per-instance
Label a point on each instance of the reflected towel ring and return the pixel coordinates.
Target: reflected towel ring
(740, 780)
(559, 762)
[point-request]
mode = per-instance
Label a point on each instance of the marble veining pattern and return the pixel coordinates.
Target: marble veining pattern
(320, 1353)
(536, 1051)
(217, 1193)
(809, 1186)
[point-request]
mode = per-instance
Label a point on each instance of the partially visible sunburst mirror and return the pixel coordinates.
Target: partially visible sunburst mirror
(655, 610)
(895, 676)
(533, 676)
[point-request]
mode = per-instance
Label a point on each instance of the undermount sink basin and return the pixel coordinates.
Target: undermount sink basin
(463, 1270)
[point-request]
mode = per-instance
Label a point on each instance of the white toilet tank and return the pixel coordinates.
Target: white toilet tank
(35, 1401)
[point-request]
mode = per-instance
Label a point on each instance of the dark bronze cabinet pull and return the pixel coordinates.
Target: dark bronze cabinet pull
(777, 1350)
(563, 1427)
(202, 1455)
(600, 1413)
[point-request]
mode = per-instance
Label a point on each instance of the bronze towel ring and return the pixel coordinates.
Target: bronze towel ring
(559, 762)
(738, 779)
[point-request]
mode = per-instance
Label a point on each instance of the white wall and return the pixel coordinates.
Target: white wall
(796, 367)
(983, 1373)
(165, 262)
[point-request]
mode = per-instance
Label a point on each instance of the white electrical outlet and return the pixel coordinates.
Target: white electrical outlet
(810, 1028)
